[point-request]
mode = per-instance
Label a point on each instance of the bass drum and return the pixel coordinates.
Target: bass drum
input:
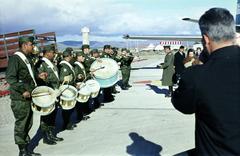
(83, 93)
(94, 87)
(68, 95)
(43, 100)
(105, 72)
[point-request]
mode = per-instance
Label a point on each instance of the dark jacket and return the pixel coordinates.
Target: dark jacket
(178, 62)
(19, 78)
(212, 92)
(52, 80)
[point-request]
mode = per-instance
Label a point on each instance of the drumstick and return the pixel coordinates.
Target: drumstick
(40, 94)
(98, 68)
(63, 82)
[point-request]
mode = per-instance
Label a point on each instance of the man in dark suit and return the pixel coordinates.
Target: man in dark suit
(212, 90)
(178, 63)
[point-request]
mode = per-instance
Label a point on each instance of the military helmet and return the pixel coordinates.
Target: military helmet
(85, 46)
(94, 51)
(25, 39)
(107, 46)
(48, 48)
(80, 53)
(67, 52)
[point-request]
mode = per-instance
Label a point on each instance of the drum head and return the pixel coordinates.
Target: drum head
(109, 68)
(68, 92)
(43, 96)
(93, 85)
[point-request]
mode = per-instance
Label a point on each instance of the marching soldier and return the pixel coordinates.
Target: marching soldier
(126, 61)
(46, 65)
(67, 75)
(20, 76)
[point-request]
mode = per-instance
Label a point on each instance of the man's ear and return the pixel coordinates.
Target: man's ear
(206, 39)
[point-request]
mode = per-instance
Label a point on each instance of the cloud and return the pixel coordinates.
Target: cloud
(105, 18)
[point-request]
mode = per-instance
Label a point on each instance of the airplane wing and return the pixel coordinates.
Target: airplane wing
(195, 38)
(190, 20)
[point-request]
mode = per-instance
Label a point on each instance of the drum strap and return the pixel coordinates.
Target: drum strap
(25, 60)
(50, 64)
(81, 66)
(69, 65)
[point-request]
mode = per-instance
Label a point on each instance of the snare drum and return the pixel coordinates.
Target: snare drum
(43, 100)
(68, 95)
(83, 93)
(94, 87)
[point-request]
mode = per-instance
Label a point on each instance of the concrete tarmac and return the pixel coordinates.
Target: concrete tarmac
(139, 122)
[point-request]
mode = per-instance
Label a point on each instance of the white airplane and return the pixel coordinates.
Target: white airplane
(194, 38)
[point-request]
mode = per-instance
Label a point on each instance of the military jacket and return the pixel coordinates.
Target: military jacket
(126, 61)
(65, 70)
(52, 71)
(79, 71)
(105, 55)
(19, 78)
(87, 63)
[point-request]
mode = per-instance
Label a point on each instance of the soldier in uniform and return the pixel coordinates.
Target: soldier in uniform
(20, 76)
(107, 92)
(126, 61)
(113, 55)
(46, 64)
(67, 70)
(81, 108)
(168, 70)
(88, 60)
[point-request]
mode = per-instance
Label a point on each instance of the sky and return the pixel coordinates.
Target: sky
(108, 20)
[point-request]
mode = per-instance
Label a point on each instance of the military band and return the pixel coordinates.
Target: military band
(49, 76)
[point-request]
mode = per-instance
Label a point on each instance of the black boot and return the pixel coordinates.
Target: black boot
(129, 86)
(70, 126)
(124, 87)
(47, 139)
(23, 150)
(53, 136)
(33, 153)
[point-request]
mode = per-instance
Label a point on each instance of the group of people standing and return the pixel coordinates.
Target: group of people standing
(175, 63)
(27, 71)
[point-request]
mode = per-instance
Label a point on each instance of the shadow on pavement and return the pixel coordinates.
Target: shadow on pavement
(158, 90)
(142, 147)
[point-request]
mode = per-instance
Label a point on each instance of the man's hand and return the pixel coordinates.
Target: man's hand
(26, 94)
